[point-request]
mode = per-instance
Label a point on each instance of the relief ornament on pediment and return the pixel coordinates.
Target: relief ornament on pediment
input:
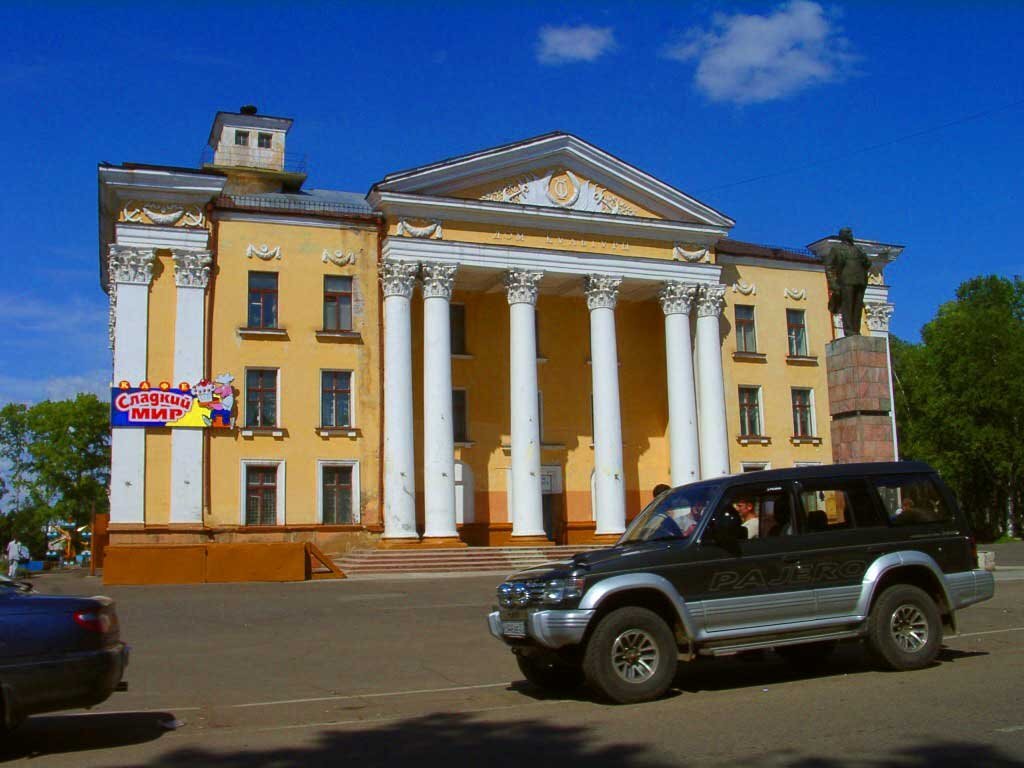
(561, 188)
(433, 230)
(163, 214)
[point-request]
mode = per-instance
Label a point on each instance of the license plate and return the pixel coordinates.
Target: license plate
(513, 628)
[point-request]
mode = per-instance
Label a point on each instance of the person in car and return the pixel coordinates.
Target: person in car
(748, 515)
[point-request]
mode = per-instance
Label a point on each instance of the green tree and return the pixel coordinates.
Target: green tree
(958, 396)
(57, 461)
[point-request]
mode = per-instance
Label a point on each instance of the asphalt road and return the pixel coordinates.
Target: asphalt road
(404, 673)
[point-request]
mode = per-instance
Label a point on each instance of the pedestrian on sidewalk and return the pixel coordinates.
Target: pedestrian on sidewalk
(15, 550)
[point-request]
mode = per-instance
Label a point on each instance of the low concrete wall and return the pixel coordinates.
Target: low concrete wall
(196, 564)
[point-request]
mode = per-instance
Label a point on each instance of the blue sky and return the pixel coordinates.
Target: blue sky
(794, 119)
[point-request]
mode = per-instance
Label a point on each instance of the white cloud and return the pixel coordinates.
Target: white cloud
(561, 45)
(746, 58)
(14, 389)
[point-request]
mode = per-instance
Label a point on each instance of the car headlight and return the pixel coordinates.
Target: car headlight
(559, 590)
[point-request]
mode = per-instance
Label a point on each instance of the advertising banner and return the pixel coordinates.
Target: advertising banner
(195, 406)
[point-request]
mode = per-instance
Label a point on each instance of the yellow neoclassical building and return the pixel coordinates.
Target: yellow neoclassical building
(513, 346)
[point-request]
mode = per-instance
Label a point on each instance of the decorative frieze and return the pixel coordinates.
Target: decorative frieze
(878, 316)
(191, 267)
(677, 298)
(128, 264)
(438, 280)
(431, 231)
(522, 286)
(694, 254)
(711, 301)
(796, 294)
(340, 258)
(163, 214)
(746, 289)
(263, 251)
(112, 315)
(397, 278)
(602, 291)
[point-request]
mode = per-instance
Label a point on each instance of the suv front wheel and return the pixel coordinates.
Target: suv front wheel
(631, 656)
(904, 628)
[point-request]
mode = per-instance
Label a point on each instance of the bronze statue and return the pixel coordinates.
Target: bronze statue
(846, 269)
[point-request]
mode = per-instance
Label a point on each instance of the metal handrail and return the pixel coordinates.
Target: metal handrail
(253, 157)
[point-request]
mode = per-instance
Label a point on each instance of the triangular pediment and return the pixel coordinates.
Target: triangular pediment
(557, 171)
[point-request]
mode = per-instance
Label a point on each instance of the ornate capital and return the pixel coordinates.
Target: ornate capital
(602, 291)
(711, 301)
(878, 315)
(397, 278)
(128, 264)
(521, 285)
(438, 280)
(191, 267)
(677, 297)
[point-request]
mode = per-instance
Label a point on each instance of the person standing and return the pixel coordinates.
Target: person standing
(14, 553)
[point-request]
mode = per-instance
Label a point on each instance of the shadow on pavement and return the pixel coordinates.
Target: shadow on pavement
(57, 734)
(457, 739)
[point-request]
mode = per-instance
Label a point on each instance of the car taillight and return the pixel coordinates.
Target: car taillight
(94, 621)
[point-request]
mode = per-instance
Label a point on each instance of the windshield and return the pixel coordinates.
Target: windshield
(675, 514)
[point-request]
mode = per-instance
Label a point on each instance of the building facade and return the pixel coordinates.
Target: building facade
(509, 347)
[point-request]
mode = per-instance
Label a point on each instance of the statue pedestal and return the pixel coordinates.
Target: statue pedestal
(859, 403)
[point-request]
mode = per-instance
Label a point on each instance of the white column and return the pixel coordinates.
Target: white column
(438, 435)
(677, 299)
(397, 279)
(527, 513)
(714, 435)
(609, 483)
(131, 271)
(191, 276)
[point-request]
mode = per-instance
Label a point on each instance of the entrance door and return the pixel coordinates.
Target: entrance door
(551, 502)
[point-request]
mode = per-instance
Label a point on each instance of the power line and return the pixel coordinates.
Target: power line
(868, 148)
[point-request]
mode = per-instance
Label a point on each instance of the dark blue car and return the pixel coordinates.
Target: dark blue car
(55, 652)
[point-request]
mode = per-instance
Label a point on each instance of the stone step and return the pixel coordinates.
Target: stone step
(452, 560)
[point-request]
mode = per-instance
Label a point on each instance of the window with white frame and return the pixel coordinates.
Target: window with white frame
(803, 412)
(261, 397)
(750, 411)
(241, 138)
(796, 332)
(264, 140)
(746, 336)
(336, 399)
(339, 492)
(262, 492)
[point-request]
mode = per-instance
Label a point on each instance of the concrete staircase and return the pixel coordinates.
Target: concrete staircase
(466, 560)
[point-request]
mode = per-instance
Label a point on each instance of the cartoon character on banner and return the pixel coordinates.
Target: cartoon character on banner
(222, 408)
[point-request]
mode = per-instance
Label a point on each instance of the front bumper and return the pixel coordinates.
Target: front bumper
(552, 629)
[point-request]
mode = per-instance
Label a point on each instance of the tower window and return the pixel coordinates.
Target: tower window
(263, 140)
(241, 138)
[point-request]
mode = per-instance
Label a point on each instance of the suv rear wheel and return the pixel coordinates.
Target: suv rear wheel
(631, 656)
(904, 628)
(549, 675)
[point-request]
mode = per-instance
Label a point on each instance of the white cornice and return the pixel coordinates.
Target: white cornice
(164, 185)
(295, 221)
(754, 261)
(554, 262)
(397, 204)
(509, 160)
